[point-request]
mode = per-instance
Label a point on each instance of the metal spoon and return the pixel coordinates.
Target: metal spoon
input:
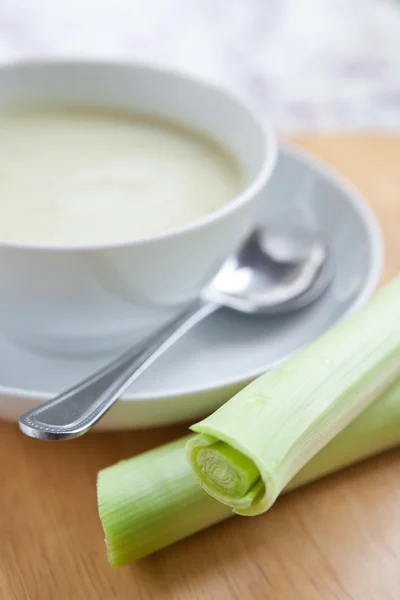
(272, 273)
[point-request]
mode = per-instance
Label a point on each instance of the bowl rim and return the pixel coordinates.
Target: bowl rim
(376, 246)
(246, 195)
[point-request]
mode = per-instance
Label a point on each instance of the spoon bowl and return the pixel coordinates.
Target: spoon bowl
(273, 273)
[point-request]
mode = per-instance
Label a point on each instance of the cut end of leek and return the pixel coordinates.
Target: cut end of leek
(224, 472)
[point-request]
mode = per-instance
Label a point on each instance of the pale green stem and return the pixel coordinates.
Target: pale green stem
(249, 449)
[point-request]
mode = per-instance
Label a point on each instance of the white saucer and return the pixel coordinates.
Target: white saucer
(214, 361)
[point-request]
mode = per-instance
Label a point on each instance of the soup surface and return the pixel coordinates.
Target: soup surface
(80, 176)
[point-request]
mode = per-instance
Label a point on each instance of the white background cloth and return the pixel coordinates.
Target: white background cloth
(307, 64)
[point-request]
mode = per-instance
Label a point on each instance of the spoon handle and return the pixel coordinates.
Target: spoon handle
(75, 411)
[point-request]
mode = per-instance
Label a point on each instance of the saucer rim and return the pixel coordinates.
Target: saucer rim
(375, 237)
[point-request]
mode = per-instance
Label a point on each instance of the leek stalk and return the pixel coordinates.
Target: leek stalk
(250, 448)
(152, 500)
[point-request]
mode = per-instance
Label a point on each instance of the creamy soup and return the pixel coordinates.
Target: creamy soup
(71, 176)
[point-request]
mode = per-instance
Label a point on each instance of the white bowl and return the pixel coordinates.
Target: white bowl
(96, 298)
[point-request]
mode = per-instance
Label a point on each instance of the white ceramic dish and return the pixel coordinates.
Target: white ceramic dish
(81, 299)
(214, 361)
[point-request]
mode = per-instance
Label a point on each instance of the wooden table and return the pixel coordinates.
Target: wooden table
(338, 538)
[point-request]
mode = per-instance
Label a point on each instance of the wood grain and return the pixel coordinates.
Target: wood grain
(336, 539)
